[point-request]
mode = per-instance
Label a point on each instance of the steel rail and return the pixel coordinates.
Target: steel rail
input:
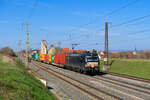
(119, 84)
(128, 77)
(55, 73)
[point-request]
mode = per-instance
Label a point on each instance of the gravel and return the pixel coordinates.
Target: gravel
(67, 92)
(123, 93)
(64, 90)
(130, 81)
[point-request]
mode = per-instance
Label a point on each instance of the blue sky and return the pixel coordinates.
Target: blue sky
(61, 20)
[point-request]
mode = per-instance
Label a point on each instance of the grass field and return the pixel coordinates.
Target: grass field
(132, 67)
(17, 84)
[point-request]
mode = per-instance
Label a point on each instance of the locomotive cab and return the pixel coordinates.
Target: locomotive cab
(92, 63)
(85, 62)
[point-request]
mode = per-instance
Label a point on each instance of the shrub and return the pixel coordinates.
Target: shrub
(7, 51)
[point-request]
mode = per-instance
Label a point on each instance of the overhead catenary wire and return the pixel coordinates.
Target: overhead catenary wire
(93, 44)
(130, 21)
(29, 16)
(26, 22)
(32, 11)
(137, 32)
(123, 23)
(126, 22)
(125, 40)
(141, 31)
(108, 14)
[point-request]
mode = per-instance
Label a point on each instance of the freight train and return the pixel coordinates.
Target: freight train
(81, 61)
(84, 62)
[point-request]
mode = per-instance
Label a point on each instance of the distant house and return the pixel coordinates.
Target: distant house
(101, 54)
(134, 52)
(35, 51)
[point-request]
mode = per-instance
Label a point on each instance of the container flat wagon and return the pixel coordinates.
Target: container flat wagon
(85, 62)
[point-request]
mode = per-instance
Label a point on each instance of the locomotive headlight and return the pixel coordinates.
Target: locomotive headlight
(88, 64)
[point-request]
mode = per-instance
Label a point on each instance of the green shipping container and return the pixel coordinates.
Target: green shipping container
(52, 58)
(33, 56)
(37, 56)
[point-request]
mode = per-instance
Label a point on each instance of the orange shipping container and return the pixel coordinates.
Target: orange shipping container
(42, 57)
(49, 58)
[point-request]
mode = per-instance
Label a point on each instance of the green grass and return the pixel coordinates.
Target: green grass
(101, 64)
(17, 84)
(132, 67)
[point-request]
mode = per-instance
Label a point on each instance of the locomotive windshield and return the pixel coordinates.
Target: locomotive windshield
(92, 58)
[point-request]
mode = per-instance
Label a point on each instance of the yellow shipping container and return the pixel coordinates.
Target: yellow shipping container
(49, 58)
(41, 57)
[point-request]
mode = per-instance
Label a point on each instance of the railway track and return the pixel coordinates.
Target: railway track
(87, 89)
(128, 77)
(127, 85)
(132, 87)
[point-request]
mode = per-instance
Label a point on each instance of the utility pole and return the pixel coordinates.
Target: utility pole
(27, 43)
(59, 44)
(106, 45)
